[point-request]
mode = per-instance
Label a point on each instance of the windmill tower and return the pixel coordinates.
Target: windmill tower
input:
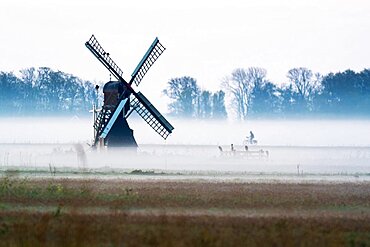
(120, 100)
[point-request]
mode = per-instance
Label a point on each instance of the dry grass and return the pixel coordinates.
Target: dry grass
(66, 212)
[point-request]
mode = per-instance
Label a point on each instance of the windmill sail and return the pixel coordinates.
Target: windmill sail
(112, 119)
(151, 115)
(93, 45)
(153, 53)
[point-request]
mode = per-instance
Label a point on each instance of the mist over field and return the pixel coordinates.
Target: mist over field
(311, 147)
(344, 132)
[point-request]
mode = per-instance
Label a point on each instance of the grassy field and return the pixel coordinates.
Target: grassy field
(102, 212)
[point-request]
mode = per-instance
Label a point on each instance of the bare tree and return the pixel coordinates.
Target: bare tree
(304, 81)
(240, 87)
(256, 76)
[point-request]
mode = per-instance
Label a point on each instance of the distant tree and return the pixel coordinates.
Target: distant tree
(12, 91)
(364, 92)
(249, 90)
(263, 97)
(305, 84)
(265, 100)
(218, 105)
(28, 77)
(256, 76)
(205, 104)
(184, 93)
(45, 94)
(345, 92)
(239, 88)
(288, 100)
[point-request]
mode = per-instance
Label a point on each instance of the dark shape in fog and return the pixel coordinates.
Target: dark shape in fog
(110, 124)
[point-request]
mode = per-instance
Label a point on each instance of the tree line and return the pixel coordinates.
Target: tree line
(43, 91)
(252, 95)
(245, 93)
(189, 101)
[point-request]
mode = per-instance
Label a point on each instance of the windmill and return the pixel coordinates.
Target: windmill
(120, 100)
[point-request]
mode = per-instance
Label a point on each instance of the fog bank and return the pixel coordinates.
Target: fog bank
(195, 132)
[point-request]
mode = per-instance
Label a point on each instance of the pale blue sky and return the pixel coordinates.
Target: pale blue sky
(204, 39)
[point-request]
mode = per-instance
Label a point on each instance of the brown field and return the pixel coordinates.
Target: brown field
(93, 212)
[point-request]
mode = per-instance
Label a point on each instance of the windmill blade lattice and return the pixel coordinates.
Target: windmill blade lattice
(151, 115)
(94, 46)
(153, 53)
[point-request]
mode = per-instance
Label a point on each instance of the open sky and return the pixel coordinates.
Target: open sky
(204, 39)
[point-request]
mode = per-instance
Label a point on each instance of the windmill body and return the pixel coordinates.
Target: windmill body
(120, 135)
(120, 99)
